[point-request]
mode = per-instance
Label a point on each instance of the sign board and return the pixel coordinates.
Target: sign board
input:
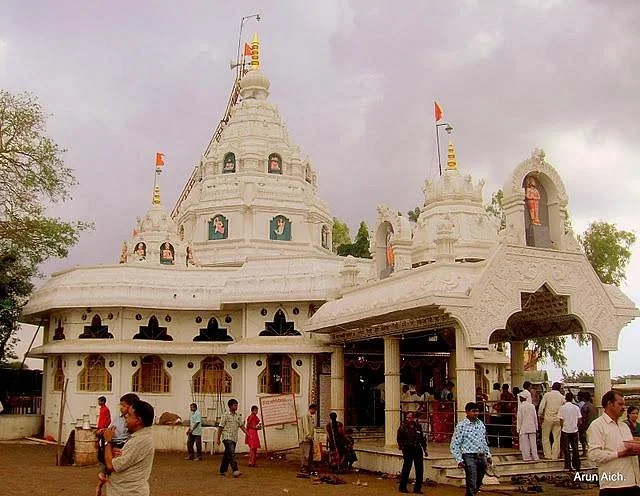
(279, 409)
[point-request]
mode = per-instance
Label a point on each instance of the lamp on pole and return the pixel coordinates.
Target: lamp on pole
(239, 63)
(449, 129)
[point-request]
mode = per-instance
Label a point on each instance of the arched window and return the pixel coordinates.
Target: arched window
(94, 376)
(58, 376)
(213, 332)
(279, 327)
(151, 377)
(279, 377)
(211, 378)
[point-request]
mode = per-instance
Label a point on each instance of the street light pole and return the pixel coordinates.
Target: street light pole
(238, 62)
(449, 130)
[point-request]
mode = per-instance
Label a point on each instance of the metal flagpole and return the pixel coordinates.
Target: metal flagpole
(438, 146)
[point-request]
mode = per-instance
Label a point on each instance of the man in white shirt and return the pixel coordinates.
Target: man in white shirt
(527, 427)
(618, 471)
(569, 415)
(548, 413)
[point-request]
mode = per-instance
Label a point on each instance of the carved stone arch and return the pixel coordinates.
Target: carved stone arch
(536, 164)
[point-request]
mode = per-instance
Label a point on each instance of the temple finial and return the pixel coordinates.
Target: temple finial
(451, 157)
(156, 195)
(255, 53)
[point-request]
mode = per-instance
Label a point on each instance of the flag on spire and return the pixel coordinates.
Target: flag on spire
(159, 159)
(247, 50)
(438, 111)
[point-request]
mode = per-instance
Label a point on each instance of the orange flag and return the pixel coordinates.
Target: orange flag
(438, 111)
(159, 159)
(247, 50)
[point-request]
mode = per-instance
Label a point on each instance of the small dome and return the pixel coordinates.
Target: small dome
(157, 219)
(254, 84)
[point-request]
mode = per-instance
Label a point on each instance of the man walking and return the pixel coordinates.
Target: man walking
(129, 472)
(618, 471)
(228, 431)
(548, 412)
(412, 443)
(469, 448)
(194, 433)
(307, 435)
(527, 427)
(569, 415)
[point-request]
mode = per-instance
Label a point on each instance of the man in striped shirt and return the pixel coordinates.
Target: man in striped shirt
(228, 432)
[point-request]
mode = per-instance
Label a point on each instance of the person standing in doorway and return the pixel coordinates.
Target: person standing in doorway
(569, 415)
(230, 422)
(412, 443)
(307, 436)
(194, 433)
(527, 427)
(469, 448)
(618, 471)
(548, 413)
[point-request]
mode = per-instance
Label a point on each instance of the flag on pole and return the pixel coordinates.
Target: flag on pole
(247, 50)
(438, 111)
(159, 159)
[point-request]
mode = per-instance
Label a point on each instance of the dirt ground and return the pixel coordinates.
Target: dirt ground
(29, 470)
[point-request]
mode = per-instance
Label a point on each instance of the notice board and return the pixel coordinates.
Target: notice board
(279, 409)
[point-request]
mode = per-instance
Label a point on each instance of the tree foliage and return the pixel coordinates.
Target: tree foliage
(32, 176)
(576, 376)
(414, 214)
(608, 250)
(340, 234)
(360, 247)
(496, 208)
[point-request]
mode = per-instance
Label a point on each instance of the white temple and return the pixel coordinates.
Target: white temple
(237, 293)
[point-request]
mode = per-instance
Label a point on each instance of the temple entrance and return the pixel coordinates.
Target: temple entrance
(424, 368)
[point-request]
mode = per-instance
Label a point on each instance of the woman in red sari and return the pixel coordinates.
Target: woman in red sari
(336, 442)
(251, 438)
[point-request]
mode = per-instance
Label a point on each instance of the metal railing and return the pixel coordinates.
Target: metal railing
(22, 405)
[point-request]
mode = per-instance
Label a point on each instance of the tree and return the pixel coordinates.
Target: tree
(575, 376)
(32, 176)
(496, 208)
(340, 234)
(608, 250)
(360, 247)
(414, 214)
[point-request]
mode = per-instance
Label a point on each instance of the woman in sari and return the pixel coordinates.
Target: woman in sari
(336, 442)
(251, 438)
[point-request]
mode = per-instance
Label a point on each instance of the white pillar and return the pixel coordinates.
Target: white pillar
(517, 363)
(337, 382)
(391, 389)
(465, 373)
(601, 372)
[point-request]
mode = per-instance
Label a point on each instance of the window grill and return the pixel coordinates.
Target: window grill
(212, 378)
(94, 376)
(279, 377)
(151, 377)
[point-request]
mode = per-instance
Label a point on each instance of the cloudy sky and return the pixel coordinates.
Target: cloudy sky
(355, 82)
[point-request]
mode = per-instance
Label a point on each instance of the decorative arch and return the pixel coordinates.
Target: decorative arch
(140, 251)
(151, 377)
(229, 163)
(212, 377)
(274, 164)
(538, 165)
(94, 376)
(58, 375)
(280, 326)
(385, 257)
(153, 331)
(96, 330)
(279, 376)
(218, 227)
(213, 332)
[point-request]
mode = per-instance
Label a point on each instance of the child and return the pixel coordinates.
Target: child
(121, 434)
(350, 454)
(252, 439)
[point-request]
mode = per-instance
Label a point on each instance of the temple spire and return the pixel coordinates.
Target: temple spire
(156, 195)
(451, 157)
(255, 53)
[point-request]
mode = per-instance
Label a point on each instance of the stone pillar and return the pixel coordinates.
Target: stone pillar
(517, 363)
(601, 372)
(337, 382)
(391, 389)
(465, 373)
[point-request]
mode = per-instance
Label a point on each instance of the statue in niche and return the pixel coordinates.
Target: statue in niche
(389, 255)
(275, 164)
(123, 253)
(218, 227)
(532, 199)
(189, 259)
(325, 237)
(181, 233)
(229, 163)
(141, 252)
(280, 228)
(167, 254)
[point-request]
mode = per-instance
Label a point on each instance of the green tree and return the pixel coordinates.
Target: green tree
(340, 234)
(576, 376)
(32, 176)
(608, 250)
(414, 214)
(496, 208)
(360, 247)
